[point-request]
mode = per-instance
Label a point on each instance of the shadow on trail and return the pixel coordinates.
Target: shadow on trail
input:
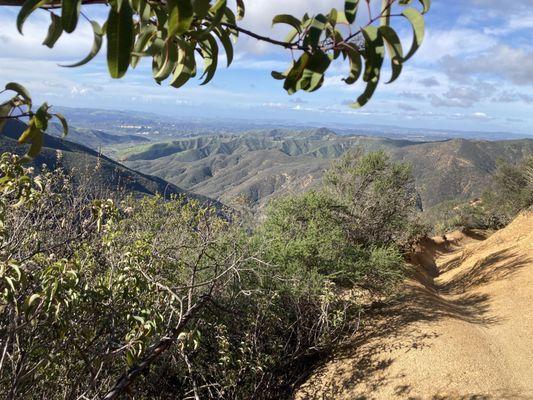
(394, 326)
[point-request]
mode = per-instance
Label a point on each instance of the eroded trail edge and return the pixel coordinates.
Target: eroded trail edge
(462, 327)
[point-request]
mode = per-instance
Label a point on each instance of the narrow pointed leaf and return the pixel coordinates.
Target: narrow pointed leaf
(240, 9)
(185, 67)
(97, 45)
(54, 31)
(180, 16)
(119, 40)
(36, 145)
(289, 20)
(316, 28)
(226, 43)
(366, 96)
(5, 110)
(350, 10)
(210, 48)
(426, 4)
(417, 22)
(63, 121)
(70, 12)
(28, 7)
(20, 90)
(374, 53)
(356, 66)
(147, 32)
(171, 58)
(394, 46)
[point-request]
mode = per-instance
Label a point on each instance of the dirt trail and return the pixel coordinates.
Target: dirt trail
(462, 328)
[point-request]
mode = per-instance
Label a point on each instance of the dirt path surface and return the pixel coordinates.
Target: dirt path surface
(461, 330)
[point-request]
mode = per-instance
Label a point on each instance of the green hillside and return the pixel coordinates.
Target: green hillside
(263, 165)
(81, 160)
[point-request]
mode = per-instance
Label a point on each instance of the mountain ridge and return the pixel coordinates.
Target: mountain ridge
(262, 166)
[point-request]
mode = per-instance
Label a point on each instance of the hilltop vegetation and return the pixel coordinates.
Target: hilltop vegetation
(175, 298)
(263, 166)
(81, 161)
(187, 300)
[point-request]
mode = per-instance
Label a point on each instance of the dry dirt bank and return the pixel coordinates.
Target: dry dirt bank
(462, 328)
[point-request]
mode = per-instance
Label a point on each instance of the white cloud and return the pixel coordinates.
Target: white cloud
(502, 61)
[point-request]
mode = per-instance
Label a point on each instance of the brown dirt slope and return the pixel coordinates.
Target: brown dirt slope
(462, 328)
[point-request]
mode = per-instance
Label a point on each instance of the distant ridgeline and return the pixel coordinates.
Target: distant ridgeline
(80, 159)
(260, 166)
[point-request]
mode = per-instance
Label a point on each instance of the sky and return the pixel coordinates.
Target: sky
(474, 72)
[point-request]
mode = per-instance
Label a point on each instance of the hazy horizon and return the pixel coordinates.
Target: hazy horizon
(473, 73)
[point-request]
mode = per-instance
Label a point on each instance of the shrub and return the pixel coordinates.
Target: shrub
(378, 196)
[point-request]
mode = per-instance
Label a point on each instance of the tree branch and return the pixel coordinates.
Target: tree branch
(287, 45)
(127, 379)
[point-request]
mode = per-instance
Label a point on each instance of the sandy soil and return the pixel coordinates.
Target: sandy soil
(461, 329)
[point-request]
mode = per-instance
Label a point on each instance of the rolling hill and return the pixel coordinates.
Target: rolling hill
(263, 165)
(79, 159)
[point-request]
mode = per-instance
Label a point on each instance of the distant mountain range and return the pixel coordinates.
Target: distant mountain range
(160, 127)
(79, 159)
(262, 166)
(230, 160)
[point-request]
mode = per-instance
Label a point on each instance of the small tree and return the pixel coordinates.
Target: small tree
(378, 198)
(511, 191)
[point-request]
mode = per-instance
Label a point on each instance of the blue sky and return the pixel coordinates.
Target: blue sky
(474, 72)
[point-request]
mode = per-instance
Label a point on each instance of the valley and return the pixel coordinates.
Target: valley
(232, 161)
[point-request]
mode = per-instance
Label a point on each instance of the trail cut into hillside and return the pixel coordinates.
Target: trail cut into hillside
(462, 329)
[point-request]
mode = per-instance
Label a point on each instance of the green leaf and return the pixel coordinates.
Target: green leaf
(417, 22)
(317, 26)
(147, 32)
(5, 110)
(374, 53)
(226, 43)
(186, 67)
(64, 123)
(366, 96)
(28, 7)
(356, 66)
(426, 4)
(295, 73)
(278, 75)
(289, 20)
(41, 117)
(170, 60)
(394, 46)
(97, 45)
(350, 10)
(54, 31)
(201, 7)
(28, 133)
(313, 75)
(210, 52)
(240, 9)
(119, 40)
(36, 146)
(70, 12)
(20, 90)
(180, 16)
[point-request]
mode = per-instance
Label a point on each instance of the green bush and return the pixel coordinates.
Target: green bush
(308, 234)
(378, 196)
(510, 192)
(176, 294)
